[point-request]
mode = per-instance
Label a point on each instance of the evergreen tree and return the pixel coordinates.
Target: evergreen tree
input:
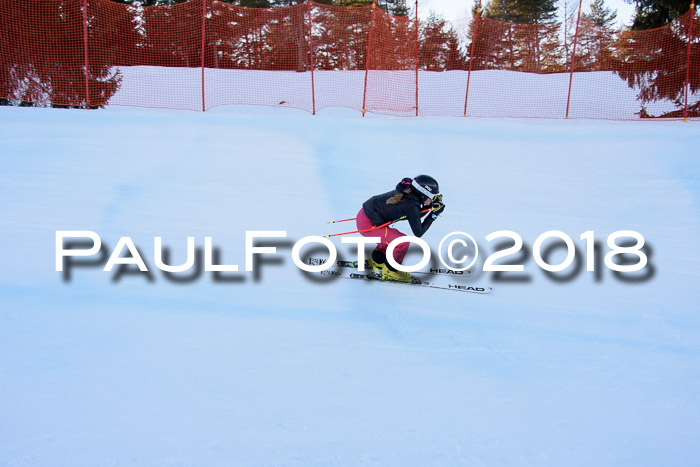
(596, 39)
(394, 42)
(340, 38)
(353, 2)
(522, 11)
(43, 59)
(253, 3)
(601, 15)
(656, 66)
(656, 13)
(149, 2)
(476, 50)
(570, 15)
(272, 3)
(439, 46)
(286, 3)
(527, 38)
(393, 7)
(456, 59)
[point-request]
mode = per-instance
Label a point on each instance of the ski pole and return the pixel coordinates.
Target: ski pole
(363, 230)
(367, 230)
(342, 220)
(354, 218)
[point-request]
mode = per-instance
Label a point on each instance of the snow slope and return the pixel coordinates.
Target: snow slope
(277, 368)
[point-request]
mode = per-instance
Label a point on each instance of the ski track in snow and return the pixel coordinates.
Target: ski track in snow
(286, 370)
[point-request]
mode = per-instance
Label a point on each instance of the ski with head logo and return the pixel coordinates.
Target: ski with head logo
(433, 281)
(430, 271)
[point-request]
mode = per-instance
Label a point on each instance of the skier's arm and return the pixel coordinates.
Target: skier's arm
(418, 227)
(414, 217)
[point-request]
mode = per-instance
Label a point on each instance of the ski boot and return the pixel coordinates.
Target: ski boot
(377, 262)
(398, 276)
(375, 265)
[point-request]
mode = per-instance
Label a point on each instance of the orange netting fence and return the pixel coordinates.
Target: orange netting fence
(204, 53)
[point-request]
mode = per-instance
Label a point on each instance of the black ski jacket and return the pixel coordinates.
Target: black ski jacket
(380, 212)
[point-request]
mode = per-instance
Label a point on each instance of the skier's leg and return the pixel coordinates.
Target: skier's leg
(363, 223)
(378, 258)
(386, 235)
(400, 250)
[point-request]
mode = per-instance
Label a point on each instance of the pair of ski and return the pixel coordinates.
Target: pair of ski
(436, 278)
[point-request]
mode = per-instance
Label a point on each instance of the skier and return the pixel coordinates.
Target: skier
(407, 200)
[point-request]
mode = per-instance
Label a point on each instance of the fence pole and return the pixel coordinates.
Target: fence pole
(573, 58)
(85, 52)
(417, 56)
(687, 66)
(204, 17)
(311, 61)
(369, 48)
(471, 55)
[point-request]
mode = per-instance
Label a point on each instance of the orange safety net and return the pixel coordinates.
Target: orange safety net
(154, 52)
(392, 65)
(42, 52)
(517, 71)
(340, 37)
(204, 53)
(635, 74)
(443, 66)
(243, 47)
(692, 96)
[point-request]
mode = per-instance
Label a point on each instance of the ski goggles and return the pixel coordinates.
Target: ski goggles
(422, 190)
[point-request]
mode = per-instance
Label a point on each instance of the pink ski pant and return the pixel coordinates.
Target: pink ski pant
(386, 234)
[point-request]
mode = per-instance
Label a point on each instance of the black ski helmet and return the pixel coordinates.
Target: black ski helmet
(426, 186)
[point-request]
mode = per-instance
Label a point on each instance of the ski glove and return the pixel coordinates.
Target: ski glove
(437, 204)
(437, 210)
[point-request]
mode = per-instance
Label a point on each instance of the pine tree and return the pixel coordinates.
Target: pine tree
(656, 13)
(353, 2)
(456, 59)
(522, 11)
(596, 38)
(477, 48)
(288, 3)
(439, 46)
(253, 3)
(570, 14)
(47, 67)
(150, 2)
(656, 67)
(514, 45)
(341, 38)
(393, 7)
(601, 15)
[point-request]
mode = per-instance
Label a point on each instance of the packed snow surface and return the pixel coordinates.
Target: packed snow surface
(278, 367)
